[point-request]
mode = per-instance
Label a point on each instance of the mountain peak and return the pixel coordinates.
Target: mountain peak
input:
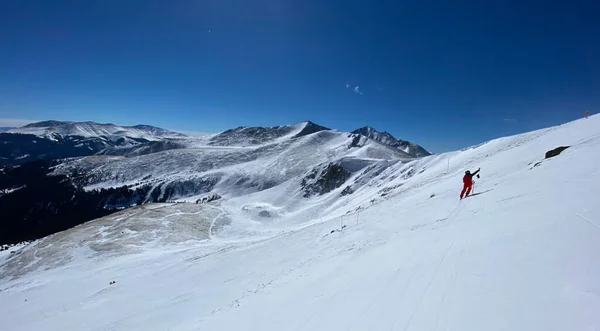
(309, 128)
(371, 129)
(366, 128)
(252, 136)
(388, 139)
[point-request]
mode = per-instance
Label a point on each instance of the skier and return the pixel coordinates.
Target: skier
(468, 183)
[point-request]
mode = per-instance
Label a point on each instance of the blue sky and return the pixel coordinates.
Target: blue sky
(444, 74)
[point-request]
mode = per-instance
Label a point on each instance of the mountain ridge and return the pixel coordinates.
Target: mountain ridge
(389, 140)
(88, 129)
(51, 139)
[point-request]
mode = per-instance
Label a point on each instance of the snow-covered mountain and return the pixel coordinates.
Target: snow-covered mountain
(54, 139)
(391, 248)
(311, 159)
(252, 136)
(235, 162)
(387, 139)
(2, 129)
(52, 129)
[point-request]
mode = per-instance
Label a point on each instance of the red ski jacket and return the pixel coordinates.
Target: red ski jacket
(468, 178)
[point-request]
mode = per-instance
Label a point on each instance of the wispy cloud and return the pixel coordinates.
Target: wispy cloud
(510, 120)
(355, 89)
(14, 122)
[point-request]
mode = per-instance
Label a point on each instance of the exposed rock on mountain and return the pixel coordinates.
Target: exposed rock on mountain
(389, 140)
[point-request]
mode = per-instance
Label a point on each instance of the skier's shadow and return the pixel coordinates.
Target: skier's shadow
(478, 193)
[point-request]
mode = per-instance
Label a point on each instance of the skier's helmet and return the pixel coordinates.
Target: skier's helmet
(467, 172)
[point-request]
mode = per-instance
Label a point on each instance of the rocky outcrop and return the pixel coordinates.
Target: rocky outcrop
(347, 191)
(556, 151)
(209, 198)
(387, 139)
(321, 181)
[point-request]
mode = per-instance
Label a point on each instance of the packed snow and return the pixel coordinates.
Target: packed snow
(401, 252)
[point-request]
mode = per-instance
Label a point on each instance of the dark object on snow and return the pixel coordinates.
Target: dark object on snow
(556, 151)
(264, 213)
(335, 230)
(208, 199)
(347, 190)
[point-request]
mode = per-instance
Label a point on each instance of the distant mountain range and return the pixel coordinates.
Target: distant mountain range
(52, 129)
(49, 140)
(72, 172)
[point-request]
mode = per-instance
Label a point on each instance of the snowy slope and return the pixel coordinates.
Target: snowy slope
(522, 254)
(50, 129)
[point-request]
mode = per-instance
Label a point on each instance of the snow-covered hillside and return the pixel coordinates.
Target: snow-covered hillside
(396, 251)
(51, 129)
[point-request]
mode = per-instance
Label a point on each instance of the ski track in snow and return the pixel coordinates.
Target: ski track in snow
(588, 220)
(510, 257)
